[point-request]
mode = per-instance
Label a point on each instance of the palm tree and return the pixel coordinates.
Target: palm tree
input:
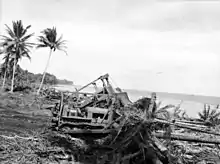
(50, 39)
(209, 116)
(5, 66)
(17, 42)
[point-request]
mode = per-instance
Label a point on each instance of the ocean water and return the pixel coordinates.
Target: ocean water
(191, 104)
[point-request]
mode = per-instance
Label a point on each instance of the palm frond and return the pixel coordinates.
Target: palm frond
(28, 56)
(59, 40)
(7, 47)
(41, 46)
(62, 50)
(200, 114)
(49, 39)
(167, 107)
(10, 32)
(5, 38)
(44, 40)
(7, 43)
(61, 43)
(50, 34)
(25, 38)
(16, 43)
(25, 30)
(216, 114)
(213, 112)
(18, 28)
(163, 113)
(207, 113)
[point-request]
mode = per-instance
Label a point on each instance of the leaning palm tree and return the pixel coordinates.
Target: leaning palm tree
(17, 44)
(50, 39)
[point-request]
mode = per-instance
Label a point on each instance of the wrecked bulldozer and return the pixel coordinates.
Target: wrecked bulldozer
(90, 113)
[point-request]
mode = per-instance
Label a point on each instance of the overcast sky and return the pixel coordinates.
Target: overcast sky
(166, 45)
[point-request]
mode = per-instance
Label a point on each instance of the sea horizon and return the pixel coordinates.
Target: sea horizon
(192, 104)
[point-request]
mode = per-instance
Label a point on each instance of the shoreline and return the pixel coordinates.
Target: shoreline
(191, 104)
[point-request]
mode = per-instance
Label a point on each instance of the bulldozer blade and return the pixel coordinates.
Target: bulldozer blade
(82, 125)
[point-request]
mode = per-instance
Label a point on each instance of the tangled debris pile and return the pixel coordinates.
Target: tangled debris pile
(142, 141)
(136, 132)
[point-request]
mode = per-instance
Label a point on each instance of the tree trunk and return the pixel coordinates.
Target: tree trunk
(3, 85)
(42, 81)
(188, 138)
(13, 75)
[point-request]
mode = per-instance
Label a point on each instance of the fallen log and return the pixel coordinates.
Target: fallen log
(191, 122)
(188, 138)
(188, 127)
(191, 125)
(180, 123)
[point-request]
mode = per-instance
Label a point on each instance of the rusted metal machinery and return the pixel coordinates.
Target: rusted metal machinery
(84, 112)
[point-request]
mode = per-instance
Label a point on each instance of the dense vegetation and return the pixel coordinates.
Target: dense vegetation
(24, 77)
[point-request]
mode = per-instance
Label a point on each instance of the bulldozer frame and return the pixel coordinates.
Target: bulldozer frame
(85, 113)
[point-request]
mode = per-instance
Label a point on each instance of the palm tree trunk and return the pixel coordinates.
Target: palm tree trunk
(44, 72)
(3, 85)
(13, 76)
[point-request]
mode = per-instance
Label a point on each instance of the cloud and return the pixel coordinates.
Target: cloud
(174, 15)
(141, 15)
(131, 40)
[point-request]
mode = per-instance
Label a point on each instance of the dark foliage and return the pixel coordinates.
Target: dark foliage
(24, 77)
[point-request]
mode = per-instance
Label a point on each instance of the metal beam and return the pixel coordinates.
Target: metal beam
(100, 78)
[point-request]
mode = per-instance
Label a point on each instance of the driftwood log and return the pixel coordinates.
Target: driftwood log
(188, 138)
